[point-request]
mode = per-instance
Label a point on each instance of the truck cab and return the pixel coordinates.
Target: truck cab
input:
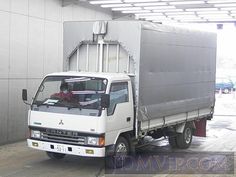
(68, 114)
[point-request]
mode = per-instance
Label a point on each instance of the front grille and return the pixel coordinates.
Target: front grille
(63, 136)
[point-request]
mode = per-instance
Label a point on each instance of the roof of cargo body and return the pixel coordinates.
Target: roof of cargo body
(148, 26)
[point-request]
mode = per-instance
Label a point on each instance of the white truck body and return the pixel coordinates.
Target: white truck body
(169, 74)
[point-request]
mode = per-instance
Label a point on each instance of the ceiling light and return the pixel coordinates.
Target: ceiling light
(106, 2)
(222, 20)
(201, 9)
(164, 20)
(160, 7)
(215, 16)
(171, 0)
(220, 1)
(213, 12)
(186, 2)
(116, 5)
(126, 8)
(184, 17)
(225, 5)
(148, 14)
(228, 8)
(141, 1)
(179, 10)
(193, 20)
(135, 11)
(151, 4)
(156, 18)
(179, 13)
(168, 10)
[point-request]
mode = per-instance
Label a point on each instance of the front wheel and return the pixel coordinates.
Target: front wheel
(55, 156)
(122, 150)
(172, 142)
(184, 139)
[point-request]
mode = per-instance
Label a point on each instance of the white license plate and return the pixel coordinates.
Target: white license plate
(60, 148)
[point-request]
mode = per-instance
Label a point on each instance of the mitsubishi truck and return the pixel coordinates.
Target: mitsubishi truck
(123, 81)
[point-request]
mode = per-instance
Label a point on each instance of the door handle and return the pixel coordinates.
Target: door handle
(128, 119)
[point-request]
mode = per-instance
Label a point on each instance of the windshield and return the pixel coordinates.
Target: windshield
(79, 95)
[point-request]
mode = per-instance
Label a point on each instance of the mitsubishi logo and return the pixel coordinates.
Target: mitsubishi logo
(61, 123)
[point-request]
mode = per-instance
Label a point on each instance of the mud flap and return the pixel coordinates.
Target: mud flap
(200, 127)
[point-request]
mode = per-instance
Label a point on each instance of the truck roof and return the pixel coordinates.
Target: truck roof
(109, 76)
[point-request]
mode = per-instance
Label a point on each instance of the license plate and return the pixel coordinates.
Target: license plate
(60, 148)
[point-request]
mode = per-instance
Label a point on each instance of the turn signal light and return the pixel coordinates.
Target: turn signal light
(101, 141)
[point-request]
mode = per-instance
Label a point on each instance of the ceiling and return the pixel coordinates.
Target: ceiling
(174, 11)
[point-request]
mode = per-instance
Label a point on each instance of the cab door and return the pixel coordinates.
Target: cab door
(120, 114)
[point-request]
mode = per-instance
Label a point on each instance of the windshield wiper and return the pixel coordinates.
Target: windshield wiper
(45, 104)
(39, 104)
(59, 104)
(74, 106)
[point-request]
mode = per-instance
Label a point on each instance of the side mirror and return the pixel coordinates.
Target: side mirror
(24, 95)
(105, 101)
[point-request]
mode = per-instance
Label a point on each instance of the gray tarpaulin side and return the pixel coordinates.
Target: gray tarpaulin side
(174, 67)
(177, 70)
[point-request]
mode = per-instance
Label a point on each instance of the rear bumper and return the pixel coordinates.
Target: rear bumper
(67, 149)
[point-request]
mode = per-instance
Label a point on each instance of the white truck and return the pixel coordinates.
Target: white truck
(124, 80)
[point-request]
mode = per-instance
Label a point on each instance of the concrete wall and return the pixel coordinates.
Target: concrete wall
(31, 44)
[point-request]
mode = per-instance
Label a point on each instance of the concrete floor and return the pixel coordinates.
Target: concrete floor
(16, 160)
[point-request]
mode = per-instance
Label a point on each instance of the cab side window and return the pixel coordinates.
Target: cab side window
(118, 94)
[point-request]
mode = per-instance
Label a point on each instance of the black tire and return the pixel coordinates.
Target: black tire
(172, 142)
(55, 156)
(226, 91)
(184, 139)
(118, 159)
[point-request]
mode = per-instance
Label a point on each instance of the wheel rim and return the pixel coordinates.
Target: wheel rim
(226, 90)
(121, 149)
(188, 135)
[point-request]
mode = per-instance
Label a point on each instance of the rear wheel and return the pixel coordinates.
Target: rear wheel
(184, 139)
(122, 150)
(55, 156)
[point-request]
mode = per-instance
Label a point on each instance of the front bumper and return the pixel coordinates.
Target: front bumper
(67, 149)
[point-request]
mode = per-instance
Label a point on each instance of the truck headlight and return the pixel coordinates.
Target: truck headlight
(96, 141)
(35, 134)
(93, 141)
